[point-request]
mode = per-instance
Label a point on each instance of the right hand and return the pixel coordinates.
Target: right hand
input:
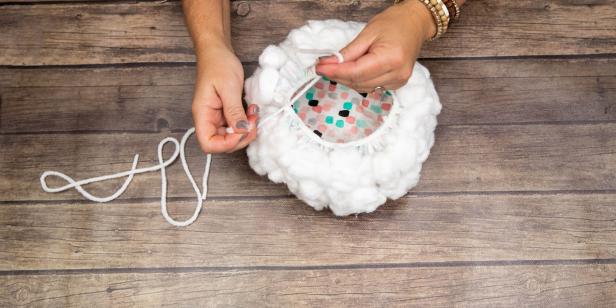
(217, 102)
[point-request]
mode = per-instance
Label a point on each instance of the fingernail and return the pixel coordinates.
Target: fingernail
(242, 124)
(253, 109)
(243, 137)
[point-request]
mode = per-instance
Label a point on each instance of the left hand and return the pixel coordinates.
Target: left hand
(384, 52)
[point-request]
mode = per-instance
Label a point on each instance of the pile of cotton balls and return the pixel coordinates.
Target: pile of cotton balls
(348, 180)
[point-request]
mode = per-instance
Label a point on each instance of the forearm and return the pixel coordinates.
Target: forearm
(208, 22)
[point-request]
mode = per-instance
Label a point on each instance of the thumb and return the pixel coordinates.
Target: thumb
(234, 110)
(353, 51)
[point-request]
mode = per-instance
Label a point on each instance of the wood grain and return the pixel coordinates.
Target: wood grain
(497, 286)
(154, 98)
(154, 32)
(277, 232)
(515, 206)
(464, 159)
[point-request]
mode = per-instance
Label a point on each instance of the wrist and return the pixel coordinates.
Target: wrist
(212, 40)
(422, 16)
(212, 46)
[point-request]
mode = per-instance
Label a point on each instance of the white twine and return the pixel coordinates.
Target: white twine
(162, 165)
(179, 151)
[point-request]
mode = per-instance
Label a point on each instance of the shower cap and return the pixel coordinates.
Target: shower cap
(333, 147)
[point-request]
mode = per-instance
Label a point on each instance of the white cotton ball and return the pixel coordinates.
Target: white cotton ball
(418, 77)
(368, 197)
(317, 204)
(253, 160)
(272, 57)
(415, 92)
(292, 72)
(300, 168)
(316, 25)
(398, 191)
(267, 84)
(299, 38)
(348, 179)
(310, 189)
(424, 70)
(249, 89)
(354, 29)
(276, 176)
(336, 197)
(383, 168)
(332, 37)
(403, 153)
(410, 178)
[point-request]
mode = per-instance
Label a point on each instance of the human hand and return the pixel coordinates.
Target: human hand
(217, 101)
(385, 51)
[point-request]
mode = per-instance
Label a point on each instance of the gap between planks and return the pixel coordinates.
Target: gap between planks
(215, 269)
(156, 32)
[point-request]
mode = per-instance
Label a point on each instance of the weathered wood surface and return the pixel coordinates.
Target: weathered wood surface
(464, 159)
(515, 206)
(155, 32)
(152, 98)
(490, 286)
(275, 232)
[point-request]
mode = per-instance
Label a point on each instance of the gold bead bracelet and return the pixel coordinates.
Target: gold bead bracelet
(439, 12)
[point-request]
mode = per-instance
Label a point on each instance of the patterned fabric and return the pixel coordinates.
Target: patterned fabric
(339, 114)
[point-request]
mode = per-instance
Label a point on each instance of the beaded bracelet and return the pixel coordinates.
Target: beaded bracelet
(454, 10)
(439, 12)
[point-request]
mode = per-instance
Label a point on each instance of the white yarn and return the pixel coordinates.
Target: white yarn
(179, 151)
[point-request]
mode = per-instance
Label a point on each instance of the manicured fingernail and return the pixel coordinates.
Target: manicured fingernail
(242, 124)
(253, 109)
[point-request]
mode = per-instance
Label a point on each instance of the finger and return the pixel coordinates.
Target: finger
(367, 67)
(253, 109)
(370, 84)
(231, 96)
(248, 138)
(207, 121)
(213, 142)
(380, 81)
(355, 49)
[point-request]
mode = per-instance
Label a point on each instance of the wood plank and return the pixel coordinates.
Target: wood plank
(464, 159)
(155, 32)
(151, 98)
(497, 286)
(286, 232)
(34, 2)
(25, 157)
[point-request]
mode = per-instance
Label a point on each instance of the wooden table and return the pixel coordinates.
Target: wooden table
(516, 204)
